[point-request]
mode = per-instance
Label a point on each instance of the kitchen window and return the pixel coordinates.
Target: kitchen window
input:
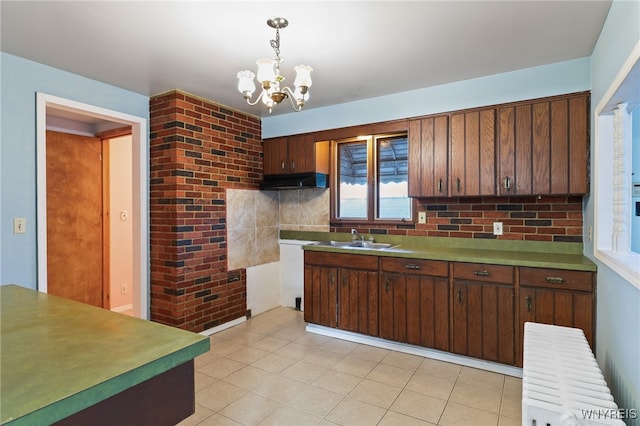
(371, 179)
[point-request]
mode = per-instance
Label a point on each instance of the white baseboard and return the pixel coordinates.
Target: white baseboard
(416, 350)
(121, 309)
(222, 327)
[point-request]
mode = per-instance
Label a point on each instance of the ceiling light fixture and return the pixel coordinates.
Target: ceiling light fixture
(270, 78)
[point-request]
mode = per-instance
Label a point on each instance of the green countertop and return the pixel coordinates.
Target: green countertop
(59, 357)
(499, 252)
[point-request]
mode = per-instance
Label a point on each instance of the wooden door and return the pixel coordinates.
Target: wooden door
(428, 311)
(558, 307)
(275, 156)
(320, 295)
(300, 154)
(484, 321)
(543, 147)
(472, 153)
(75, 218)
(428, 157)
(358, 301)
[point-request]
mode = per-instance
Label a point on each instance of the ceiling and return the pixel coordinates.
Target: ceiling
(358, 49)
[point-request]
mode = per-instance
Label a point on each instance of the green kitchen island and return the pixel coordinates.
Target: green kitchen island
(69, 363)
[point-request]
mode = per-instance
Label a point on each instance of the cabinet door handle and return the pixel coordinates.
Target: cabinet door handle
(459, 296)
(386, 284)
(412, 266)
(333, 279)
(458, 184)
(293, 165)
(481, 273)
(555, 280)
(527, 303)
(282, 165)
(507, 183)
(344, 279)
(440, 185)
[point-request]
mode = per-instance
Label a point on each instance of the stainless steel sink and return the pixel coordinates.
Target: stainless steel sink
(357, 245)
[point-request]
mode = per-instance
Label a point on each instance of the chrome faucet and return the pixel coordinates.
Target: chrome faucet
(355, 235)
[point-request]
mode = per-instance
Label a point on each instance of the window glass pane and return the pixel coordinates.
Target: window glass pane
(352, 157)
(393, 178)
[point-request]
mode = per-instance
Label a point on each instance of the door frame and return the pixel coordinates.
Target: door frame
(139, 216)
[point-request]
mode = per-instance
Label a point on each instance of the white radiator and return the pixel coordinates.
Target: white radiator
(562, 384)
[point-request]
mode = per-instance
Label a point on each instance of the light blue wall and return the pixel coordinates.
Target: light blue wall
(21, 79)
(547, 80)
(618, 310)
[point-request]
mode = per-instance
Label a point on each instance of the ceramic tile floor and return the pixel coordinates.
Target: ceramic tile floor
(270, 371)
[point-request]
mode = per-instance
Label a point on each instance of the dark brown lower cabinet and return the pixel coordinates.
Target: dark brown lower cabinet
(483, 312)
(559, 297)
(465, 308)
(320, 294)
(414, 302)
(341, 291)
(358, 296)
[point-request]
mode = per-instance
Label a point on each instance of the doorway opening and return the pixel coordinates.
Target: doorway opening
(54, 113)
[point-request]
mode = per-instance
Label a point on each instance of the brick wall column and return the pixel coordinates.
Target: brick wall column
(198, 149)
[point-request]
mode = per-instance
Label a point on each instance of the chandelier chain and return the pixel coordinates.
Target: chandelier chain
(275, 44)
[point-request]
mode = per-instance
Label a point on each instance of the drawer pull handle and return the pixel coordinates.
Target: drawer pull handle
(412, 266)
(555, 280)
(527, 303)
(481, 273)
(459, 296)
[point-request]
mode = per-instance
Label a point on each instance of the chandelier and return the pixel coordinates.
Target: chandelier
(269, 76)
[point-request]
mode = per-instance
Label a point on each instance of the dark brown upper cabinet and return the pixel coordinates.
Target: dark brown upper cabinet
(295, 154)
(543, 146)
(428, 157)
(472, 153)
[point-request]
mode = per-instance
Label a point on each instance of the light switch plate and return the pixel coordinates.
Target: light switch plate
(19, 225)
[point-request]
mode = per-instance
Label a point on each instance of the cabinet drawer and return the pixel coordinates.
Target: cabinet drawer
(482, 272)
(438, 268)
(343, 260)
(556, 278)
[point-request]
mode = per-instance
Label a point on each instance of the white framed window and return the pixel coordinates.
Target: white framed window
(614, 202)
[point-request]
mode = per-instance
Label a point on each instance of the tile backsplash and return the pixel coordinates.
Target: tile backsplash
(255, 217)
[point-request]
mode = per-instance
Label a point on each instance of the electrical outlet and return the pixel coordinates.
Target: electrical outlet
(497, 228)
(124, 288)
(422, 217)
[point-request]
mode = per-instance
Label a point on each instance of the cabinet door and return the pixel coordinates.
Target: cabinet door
(300, 154)
(393, 313)
(473, 153)
(275, 156)
(320, 295)
(558, 307)
(358, 301)
(484, 321)
(428, 159)
(414, 309)
(542, 147)
(428, 311)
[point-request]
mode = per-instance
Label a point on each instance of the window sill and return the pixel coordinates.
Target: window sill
(626, 265)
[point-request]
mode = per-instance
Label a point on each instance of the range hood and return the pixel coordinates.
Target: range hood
(295, 181)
